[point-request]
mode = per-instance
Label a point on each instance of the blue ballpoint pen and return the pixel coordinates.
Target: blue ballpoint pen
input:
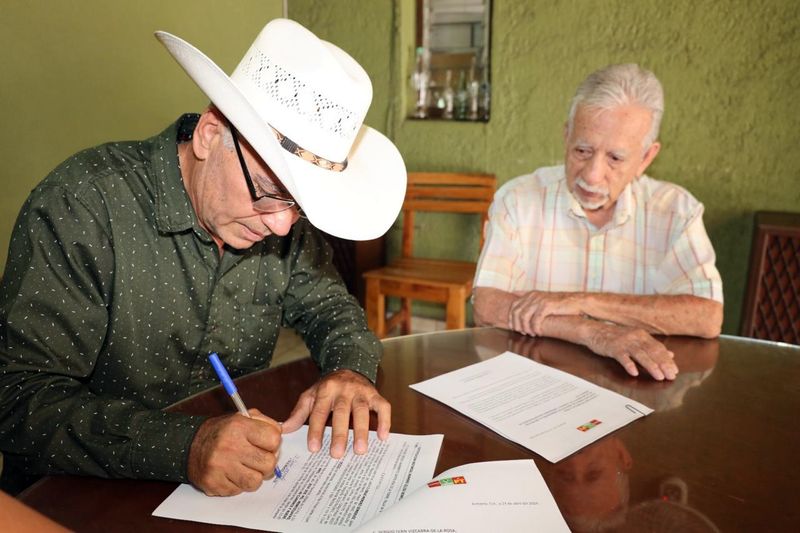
(230, 388)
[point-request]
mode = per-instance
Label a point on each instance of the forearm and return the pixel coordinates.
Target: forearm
(330, 320)
(679, 314)
(53, 424)
(492, 307)
(627, 344)
(335, 329)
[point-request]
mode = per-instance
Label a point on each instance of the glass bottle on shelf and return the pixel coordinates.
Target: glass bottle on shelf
(438, 101)
(473, 88)
(485, 95)
(449, 95)
(462, 98)
(420, 80)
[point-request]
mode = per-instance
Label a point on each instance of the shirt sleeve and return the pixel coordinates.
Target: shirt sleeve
(498, 264)
(329, 318)
(689, 266)
(54, 301)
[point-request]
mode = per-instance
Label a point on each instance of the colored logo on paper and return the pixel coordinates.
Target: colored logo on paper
(458, 480)
(589, 425)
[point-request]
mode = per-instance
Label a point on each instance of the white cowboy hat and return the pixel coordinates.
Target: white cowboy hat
(300, 102)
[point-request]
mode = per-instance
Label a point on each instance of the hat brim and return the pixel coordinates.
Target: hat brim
(358, 203)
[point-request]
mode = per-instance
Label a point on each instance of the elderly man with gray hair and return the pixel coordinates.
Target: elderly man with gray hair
(594, 251)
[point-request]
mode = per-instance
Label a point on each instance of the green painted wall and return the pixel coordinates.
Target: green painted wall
(730, 70)
(78, 73)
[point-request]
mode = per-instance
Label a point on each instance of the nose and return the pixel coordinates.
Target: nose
(594, 170)
(281, 222)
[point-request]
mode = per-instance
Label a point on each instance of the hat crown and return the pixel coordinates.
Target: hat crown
(308, 89)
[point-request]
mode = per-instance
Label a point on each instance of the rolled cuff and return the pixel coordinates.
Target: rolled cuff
(161, 445)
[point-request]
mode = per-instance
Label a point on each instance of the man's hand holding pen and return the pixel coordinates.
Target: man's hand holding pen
(231, 454)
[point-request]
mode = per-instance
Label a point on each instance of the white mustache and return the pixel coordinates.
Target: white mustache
(591, 188)
(587, 204)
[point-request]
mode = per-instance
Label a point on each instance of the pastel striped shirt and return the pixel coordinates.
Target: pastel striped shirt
(538, 238)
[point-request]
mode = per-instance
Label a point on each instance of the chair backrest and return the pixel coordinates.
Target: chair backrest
(772, 302)
(445, 192)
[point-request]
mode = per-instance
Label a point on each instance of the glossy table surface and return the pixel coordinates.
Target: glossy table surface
(718, 453)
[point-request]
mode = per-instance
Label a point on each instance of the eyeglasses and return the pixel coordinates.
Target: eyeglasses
(264, 203)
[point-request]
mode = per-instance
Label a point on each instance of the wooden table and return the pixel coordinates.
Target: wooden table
(719, 452)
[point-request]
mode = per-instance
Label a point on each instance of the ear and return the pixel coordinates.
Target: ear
(566, 132)
(207, 132)
(649, 155)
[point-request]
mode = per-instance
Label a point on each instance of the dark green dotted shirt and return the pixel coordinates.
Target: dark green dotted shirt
(112, 298)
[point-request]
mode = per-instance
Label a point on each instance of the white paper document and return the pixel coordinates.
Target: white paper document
(544, 409)
(506, 496)
(317, 493)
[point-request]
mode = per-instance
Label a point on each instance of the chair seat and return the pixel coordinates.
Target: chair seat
(410, 278)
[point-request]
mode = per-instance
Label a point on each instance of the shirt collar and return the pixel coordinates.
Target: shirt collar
(174, 211)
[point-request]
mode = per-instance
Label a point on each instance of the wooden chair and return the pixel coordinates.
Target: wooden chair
(772, 302)
(433, 280)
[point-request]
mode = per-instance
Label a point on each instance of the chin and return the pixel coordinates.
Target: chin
(593, 207)
(239, 243)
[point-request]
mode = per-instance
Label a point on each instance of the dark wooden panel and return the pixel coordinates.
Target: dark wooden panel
(772, 302)
(353, 258)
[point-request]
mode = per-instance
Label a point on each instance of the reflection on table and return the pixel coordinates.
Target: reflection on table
(717, 453)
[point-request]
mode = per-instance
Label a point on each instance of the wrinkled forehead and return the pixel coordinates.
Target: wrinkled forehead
(619, 128)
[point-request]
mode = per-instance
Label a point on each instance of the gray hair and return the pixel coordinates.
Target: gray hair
(227, 138)
(227, 134)
(617, 85)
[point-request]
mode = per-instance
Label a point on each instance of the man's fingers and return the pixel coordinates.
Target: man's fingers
(660, 361)
(657, 361)
(649, 364)
(316, 422)
(360, 425)
(258, 415)
(247, 479)
(627, 363)
(384, 409)
(521, 318)
(670, 371)
(221, 487)
(266, 435)
(668, 366)
(536, 324)
(262, 462)
(341, 428)
(632, 345)
(513, 317)
(299, 414)
(230, 454)
(526, 315)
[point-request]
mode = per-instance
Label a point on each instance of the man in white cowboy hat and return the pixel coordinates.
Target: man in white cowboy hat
(131, 262)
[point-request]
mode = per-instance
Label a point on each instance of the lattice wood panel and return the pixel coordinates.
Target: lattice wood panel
(773, 300)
